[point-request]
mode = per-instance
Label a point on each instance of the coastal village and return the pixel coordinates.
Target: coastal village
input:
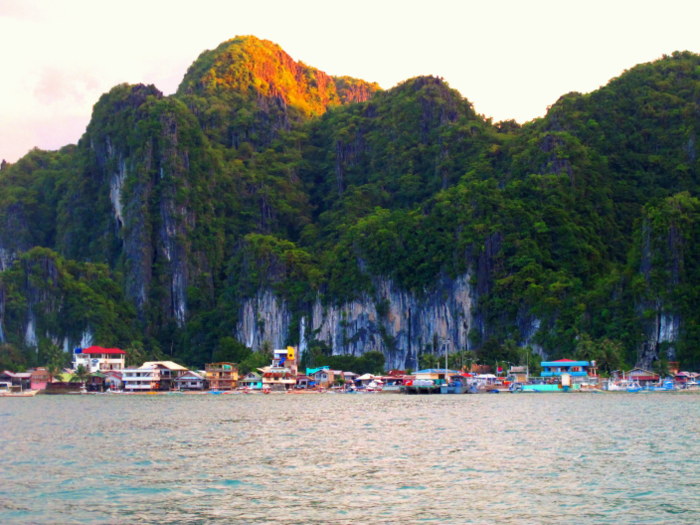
(103, 370)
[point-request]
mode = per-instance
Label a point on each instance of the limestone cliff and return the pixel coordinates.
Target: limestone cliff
(400, 324)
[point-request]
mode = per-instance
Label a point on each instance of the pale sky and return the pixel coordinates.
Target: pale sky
(510, 58)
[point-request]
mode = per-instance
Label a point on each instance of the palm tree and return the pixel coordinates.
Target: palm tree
(55, 371)
(81, 374)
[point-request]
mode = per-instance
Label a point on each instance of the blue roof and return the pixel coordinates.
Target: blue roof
(565, 363)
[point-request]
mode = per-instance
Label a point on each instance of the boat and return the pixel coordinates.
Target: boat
(634, 386)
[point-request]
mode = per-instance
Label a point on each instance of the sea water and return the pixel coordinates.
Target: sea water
(524, 458)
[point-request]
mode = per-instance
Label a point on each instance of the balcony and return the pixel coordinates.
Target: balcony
(550, 373)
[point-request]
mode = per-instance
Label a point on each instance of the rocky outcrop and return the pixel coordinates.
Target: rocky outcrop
(400, 324)
(144, 154)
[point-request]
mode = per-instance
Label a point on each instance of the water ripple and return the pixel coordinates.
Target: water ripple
(343, 459)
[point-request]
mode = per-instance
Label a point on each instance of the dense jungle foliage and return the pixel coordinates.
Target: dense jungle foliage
(263, 173)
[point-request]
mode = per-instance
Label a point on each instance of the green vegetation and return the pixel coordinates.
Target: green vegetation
(579, 230)
(319, 354)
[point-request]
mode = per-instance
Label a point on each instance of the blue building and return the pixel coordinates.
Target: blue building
(567, 366)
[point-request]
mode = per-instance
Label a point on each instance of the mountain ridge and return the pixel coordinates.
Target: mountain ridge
(269, 203)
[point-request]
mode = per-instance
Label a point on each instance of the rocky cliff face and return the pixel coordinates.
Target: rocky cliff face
(144, 155)
(664, 240)
(397, 323)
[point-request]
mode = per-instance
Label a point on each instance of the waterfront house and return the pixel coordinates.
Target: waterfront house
(190, 381)
(643, 377)
(326, 377)
(439, 376)
(96, 382)
(304, 382)
(251, 381)
(394, 380)
(277, 378)
(222, 376)
(285, 358)
(143, 379)
(152, 376)
(365, 379)
(428, 380)
(169, 372)
(282, 374)
(99, 359)
(682, 378)
(18, 381)
(113, 380)
(40, 378)
(393, 383)
(349, 377)
(577, 370)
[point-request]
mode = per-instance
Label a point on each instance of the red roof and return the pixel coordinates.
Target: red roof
(100, 350)
(564, 361)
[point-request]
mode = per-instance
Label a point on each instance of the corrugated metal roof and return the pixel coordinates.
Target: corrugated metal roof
(100, 350)
(167, 364)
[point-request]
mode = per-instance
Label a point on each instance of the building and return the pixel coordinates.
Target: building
(282, 374)
(40, 378)
(152, 376)
(429, 380)
(579, 371)
(643, 377)
(325, 377)
(144, 379)
(285, 357)
(96, 382)
(439, 376)
(190, 381)
(221, 376)
(277, 378)
(17, 381)
(349, 377)
(519, 374)
(113, 380)
(99, 359)
(251, 381)
(304, 382)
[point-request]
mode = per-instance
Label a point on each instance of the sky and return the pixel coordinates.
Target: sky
(510, 58)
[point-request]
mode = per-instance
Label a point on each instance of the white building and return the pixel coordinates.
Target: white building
(98, 359)
(141, 379)
(152, 376)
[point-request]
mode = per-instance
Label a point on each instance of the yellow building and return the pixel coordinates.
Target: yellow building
(222, 376)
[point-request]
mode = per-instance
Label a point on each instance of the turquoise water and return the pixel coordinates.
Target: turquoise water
(527, 458)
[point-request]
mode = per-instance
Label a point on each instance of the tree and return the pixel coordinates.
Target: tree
(427, 360)
(371, 362)
(661, 367)
(462, 360)
(230, 350)
(607, 353)
(55, 371)
(81, 374)
(11, 358)
(137, 354)
(253, 362)
(55, 359)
